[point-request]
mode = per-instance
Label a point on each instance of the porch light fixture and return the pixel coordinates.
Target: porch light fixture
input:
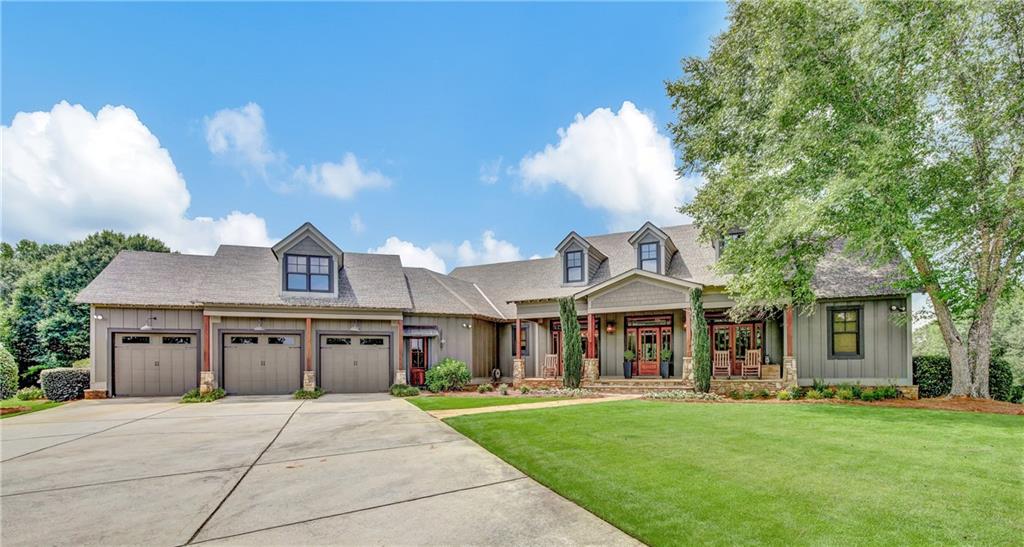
(467, 326)
(148, 325)
(896, 308)
(259, 325)
(611, 327)
(98, 317)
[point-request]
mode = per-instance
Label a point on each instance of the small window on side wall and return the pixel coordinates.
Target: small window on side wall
(573, 266)
(845, 328)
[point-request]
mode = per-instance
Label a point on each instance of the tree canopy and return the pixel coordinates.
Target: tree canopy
(891, 130)
(40, 323)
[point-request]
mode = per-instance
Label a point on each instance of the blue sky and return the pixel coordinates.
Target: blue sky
(430, 124)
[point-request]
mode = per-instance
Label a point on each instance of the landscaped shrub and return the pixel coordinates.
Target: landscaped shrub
(1017, 394)
(503, 389)
(484, 388)
(403, 390)
(308, 394)
(701, 343)
(193, 396)
(734, 394)
(81, 363)
(829, 393)
(572, 351)
(763, 394)
(813, 394)
(784, 395)
(845, 394)
(933, 375)
(8, 374)
(448, 375)
(819, 385)
(887, 392)
(64, 384)
(564, 392)
(796, 392)
(683, 395)
(30, 393)
(747, 395)
(524, 390)
(869, 395)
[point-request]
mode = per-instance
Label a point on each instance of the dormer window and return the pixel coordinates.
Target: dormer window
(648, 256)
(308, 273)
(574, 266)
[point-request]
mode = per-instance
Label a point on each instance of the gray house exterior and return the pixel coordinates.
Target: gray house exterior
(305, 313)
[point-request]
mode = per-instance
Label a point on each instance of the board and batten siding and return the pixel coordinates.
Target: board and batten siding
(612, 346)
(885, 345)
(463, 338)
(131, 319)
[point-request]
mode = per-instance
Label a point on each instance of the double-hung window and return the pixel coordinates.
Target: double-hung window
(308, 273)
(573, 266)
(845, 333)
(649, 257)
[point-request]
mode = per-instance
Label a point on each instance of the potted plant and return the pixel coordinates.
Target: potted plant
(666, 362)
(627, 363)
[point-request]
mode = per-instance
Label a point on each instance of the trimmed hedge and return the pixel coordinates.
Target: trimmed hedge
(933, 375)
(64, 384)
(448, 375)
(8, 374)
(402, 390)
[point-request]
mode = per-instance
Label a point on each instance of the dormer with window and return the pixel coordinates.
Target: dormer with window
(654, 249)
(309, 263)
(579, 259)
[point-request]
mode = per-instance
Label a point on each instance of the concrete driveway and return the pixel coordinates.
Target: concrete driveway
(343, 469)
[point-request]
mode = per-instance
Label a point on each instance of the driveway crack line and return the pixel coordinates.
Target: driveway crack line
(116, 481)
(87, 435)
(363, 509)
(242, 478)
(336, 454)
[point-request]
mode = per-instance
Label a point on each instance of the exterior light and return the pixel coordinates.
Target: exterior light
(611, 327)
(98, 317)
(259, 325)
(896, 308)
(148, 325)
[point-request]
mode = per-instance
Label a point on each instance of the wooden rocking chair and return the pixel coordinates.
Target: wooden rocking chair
(720, 363)
(550, 369)
(752, 364)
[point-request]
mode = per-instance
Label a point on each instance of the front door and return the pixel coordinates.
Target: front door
(744, 340)
(417, 360)
(647, 358)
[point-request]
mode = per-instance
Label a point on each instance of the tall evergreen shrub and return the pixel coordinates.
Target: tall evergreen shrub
(572, 352)
(701, 343)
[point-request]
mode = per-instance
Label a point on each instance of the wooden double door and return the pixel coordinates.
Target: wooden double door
(736, 339)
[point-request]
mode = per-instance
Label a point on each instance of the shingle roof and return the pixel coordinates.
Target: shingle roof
(442, 294)
(239, 275)
(541, 279)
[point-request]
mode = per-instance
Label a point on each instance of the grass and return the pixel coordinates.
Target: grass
(450, 403)
(680, 473)
(32, 406)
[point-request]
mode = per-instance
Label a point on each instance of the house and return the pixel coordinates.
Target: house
(306, 313)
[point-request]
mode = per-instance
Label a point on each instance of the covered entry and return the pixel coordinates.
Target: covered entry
(262, 364)
(155, 364)
(355, 363)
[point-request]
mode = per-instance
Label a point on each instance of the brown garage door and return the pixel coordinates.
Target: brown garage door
(155, 364)
(264, 364)
(354, 364)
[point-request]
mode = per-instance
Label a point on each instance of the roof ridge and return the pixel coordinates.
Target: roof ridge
(493, 307)
(449, 289)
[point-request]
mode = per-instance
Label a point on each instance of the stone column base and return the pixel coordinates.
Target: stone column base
(400, 377)
(206, 382)
(591, 370)
(688, 369)
(309, 380)
(95, 394)
(789, 371)
(518, 371)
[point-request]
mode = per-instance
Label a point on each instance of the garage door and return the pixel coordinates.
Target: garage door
(354, 364)
(155, 364)
(265, 364)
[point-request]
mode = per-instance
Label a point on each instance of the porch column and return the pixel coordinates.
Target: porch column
(308, 374)
(400, 353)
(591, 367)
(688, 358)
(591, 342)
(206, 382)
(518, 366)
(789, 376)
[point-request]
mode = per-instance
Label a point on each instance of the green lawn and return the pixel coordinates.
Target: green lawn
(33, 406)
(449, 403)
(679, 473)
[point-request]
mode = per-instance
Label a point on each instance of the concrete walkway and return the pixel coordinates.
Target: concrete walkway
(341, 470)
(442, 414)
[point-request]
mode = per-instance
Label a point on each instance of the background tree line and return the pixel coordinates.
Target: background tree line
(40, 323)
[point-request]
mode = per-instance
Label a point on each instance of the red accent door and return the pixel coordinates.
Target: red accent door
(417, 361)
(556, 341)
(647, 357)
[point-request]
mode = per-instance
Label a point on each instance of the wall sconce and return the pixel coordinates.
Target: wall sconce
(148, 325)
(895, 308)
(355, 325)
(98, 317)
(611, 327)
(467, 326)
(259, 325)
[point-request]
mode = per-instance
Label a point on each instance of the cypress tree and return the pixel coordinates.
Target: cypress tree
(701, 343)
(572, 352)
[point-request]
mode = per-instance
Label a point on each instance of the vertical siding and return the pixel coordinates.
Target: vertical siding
(505, 342)
(485, 349)
(773, 343)
(455, 340)
(885, 345)
(131, 318)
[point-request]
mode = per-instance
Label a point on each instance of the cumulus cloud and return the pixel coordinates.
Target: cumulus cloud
(68, 173)
(356, 223)
(615, 161)
(412, 256)
(489, 250)
(240, 135)
(341, 180)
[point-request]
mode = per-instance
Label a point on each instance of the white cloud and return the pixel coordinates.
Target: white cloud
(618, 162)
(535, 257)
(490, 171)
(240, 135)
(356, 223)
(341, 180)
(68, 173)
(490, 250)
(412, 256)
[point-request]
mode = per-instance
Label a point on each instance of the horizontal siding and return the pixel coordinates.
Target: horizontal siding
(885, 345)
(640, 293)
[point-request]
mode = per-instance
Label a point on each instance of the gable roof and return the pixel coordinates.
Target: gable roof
(649, 227)
(573, 237)
(307, 230)
(636, 274)
(434, 293)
